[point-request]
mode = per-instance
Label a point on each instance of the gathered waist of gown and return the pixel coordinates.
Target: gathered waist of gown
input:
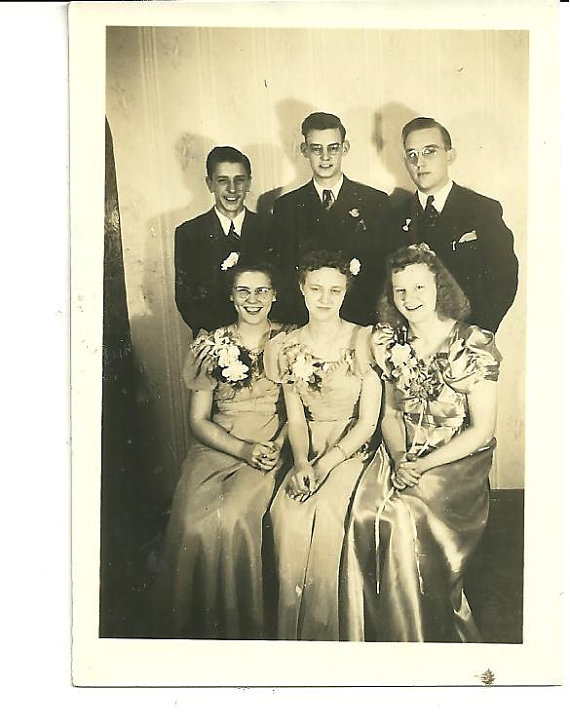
(424, 450)
(259, 406)
(435, 421)
(257, 425)
(326, 415)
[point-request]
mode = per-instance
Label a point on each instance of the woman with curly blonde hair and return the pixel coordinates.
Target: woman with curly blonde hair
(423, 504)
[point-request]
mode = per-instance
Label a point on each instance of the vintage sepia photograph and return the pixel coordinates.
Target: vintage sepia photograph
(301, 323)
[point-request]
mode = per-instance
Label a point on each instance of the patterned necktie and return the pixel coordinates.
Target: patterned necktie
(431, 214)
(233, 237)
(328, 199)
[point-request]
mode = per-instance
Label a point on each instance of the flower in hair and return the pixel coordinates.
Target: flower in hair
(230, 261)
(422, 247)
(354, 266)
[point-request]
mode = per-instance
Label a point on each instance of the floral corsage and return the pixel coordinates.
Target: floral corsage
(414, 377)
(355, 214)
(227, 360)
(303, 368)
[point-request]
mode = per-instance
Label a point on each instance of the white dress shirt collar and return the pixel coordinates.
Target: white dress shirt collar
(335, 189)
(226, 222)
(439, 198)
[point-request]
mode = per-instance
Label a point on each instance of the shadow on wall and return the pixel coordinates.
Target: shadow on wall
(386, 137)
(290, 114)
(161, 337)
(389, 120)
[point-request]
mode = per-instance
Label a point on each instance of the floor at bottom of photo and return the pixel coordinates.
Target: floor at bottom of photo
(494, 579)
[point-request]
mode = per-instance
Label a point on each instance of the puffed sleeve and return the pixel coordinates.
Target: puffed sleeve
(380, 341)
(274, 361)
(196, 374)
(472, 357)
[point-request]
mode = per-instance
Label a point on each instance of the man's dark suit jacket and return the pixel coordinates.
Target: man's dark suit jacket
(356, 224)
(200, 247)
(485, 267)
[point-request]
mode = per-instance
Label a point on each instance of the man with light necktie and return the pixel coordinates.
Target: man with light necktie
(465, 229)
(331, 212)
(208, 245)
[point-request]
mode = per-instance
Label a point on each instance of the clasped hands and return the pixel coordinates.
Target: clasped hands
(263, 456)
(307, 477)
(407, 471)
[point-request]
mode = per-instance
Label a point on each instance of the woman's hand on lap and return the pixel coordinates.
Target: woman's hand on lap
(260, 455)
(302, 482)
(323, 467)
(406, 473)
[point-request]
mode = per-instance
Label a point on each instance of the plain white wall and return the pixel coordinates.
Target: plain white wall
(173, 93)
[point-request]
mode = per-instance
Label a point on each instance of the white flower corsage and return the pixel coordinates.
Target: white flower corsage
(406, 226)
(354, 266)
(235, 371)
(230, 362)
(230, 261)
(354, 213)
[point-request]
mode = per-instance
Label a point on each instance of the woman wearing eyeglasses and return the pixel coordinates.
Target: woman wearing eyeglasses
(210, 582)
(333, 401)
(422, 507)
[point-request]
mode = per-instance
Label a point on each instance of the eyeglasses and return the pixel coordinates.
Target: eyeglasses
(333, 149)
(262, 293)
(427, 152)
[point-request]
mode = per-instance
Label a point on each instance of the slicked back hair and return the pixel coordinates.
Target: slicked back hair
(226, 154)
(422, 122)
(321, 121)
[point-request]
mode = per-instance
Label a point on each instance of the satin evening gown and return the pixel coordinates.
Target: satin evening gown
(307, 536)
(210, 585)
(405, 552)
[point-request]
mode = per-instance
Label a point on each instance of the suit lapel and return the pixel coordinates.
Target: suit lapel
(451, 203)
(347, 199)
(311, 199)
(214, 226)
(415, 215)
(245, 228)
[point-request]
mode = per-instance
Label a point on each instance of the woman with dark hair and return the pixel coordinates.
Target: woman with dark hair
(210, 584)
(423, 504)
(332, 397)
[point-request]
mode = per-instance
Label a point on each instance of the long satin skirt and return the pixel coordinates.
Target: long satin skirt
(308, 540)
(405, 553)
(210, 584)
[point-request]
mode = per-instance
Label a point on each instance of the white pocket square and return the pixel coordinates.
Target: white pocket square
(467, 237)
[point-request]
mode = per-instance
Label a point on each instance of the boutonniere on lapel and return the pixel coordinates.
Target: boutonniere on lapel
(467, 237)
(406, 226)
(230, 261)
(355, 214)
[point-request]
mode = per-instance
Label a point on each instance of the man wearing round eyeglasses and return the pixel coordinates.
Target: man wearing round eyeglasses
(331, 212)
(210, 244)
(465, 229)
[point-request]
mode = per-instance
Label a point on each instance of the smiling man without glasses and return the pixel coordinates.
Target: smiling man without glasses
(208, 245)
(332, 212)
(465, 229)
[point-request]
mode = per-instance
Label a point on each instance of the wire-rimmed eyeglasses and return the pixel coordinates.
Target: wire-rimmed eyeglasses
(412, 156)
(261, 293)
